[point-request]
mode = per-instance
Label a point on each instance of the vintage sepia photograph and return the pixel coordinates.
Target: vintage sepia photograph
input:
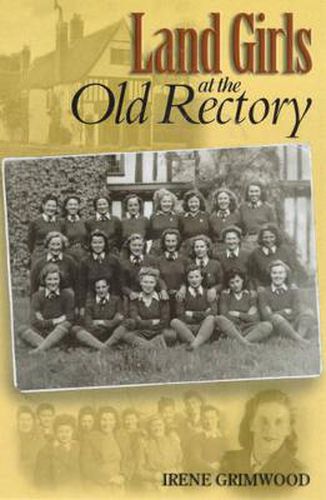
(137, 446)
(162, 267)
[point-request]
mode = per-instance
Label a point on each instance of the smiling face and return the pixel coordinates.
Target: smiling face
(231, 240)
(270, 426)
(148, 284)
(107, 422)
(55, 245)
(236, 284)
(168, 414)
(50, 207)
(171, 242)
(64, 433)
(136, 247)
(101, 288)
(195, 278)
(223, 201)
(193, 204)
(268, 238)
(278, 275)
(200, 248)
(72, 206)
(52, 282)
(166, 204)
(102, 206)
(133, 206)
(193, 406)
(254, 193)
(98, 244)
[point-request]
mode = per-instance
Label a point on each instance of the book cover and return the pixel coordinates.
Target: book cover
(162, 243)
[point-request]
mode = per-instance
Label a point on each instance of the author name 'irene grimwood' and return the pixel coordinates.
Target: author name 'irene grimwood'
(236, 479)
(254, 49)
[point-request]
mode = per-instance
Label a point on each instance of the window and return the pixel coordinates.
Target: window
(120, 56)
(115, 165)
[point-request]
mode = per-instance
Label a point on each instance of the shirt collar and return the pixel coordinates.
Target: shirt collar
(100, 216)
(132, 216)
(99, 256)
(99, 300)
(171, 255)
(223, 213)
(47, 218)
(54, 258)
(254, 464)
(196, 291)
(136, 258)
(234, 252)
(190, 214)
(200, 260)
(255, 205)
(73, 218)
(50, 292)
(168, 214)
(282, 287)
(268, 251)
(148, 299)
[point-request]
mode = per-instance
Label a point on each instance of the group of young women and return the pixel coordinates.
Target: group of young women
(183, 275)
(103, 448)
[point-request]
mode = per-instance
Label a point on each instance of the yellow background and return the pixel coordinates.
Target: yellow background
(32, 22)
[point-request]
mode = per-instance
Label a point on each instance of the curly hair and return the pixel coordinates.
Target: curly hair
(50, 269)
(231, 229)
(68, 198)
(233, 199)
(200, 237)
(273, 229)
(268, 396)
(99, 233)
(106, 197)
(193, 267)
(263, 194)
(56, 234)
(134, 237)
(176, 232)
(279, 262)
(130, 197)
(148, 271)
(106, 409)
(232, 273)
(46, 198)
(86, 410)
(191, 194)
(159, 194)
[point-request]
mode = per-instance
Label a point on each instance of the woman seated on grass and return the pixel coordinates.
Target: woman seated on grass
(195, 321)
(103, 314)
(280, 304)
(239, 317)
(55, 246)
(148, 314)
(52, 311)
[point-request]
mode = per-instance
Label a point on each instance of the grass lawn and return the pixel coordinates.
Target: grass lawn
(221, 360)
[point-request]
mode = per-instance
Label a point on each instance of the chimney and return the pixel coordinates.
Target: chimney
(25, 59)
(61, 47)
(76, 28)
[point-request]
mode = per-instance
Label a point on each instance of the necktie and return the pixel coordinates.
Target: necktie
(52, 295)
(73, 218)
(201, 263)
(103, 302)
(171, 256)
(279, 291)
(54, 259)
(136, 260)
(232, 255)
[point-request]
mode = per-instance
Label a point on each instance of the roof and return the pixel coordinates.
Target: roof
(78, 61)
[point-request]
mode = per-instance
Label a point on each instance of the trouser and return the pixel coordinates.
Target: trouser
(255, 333)
(195, 335)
